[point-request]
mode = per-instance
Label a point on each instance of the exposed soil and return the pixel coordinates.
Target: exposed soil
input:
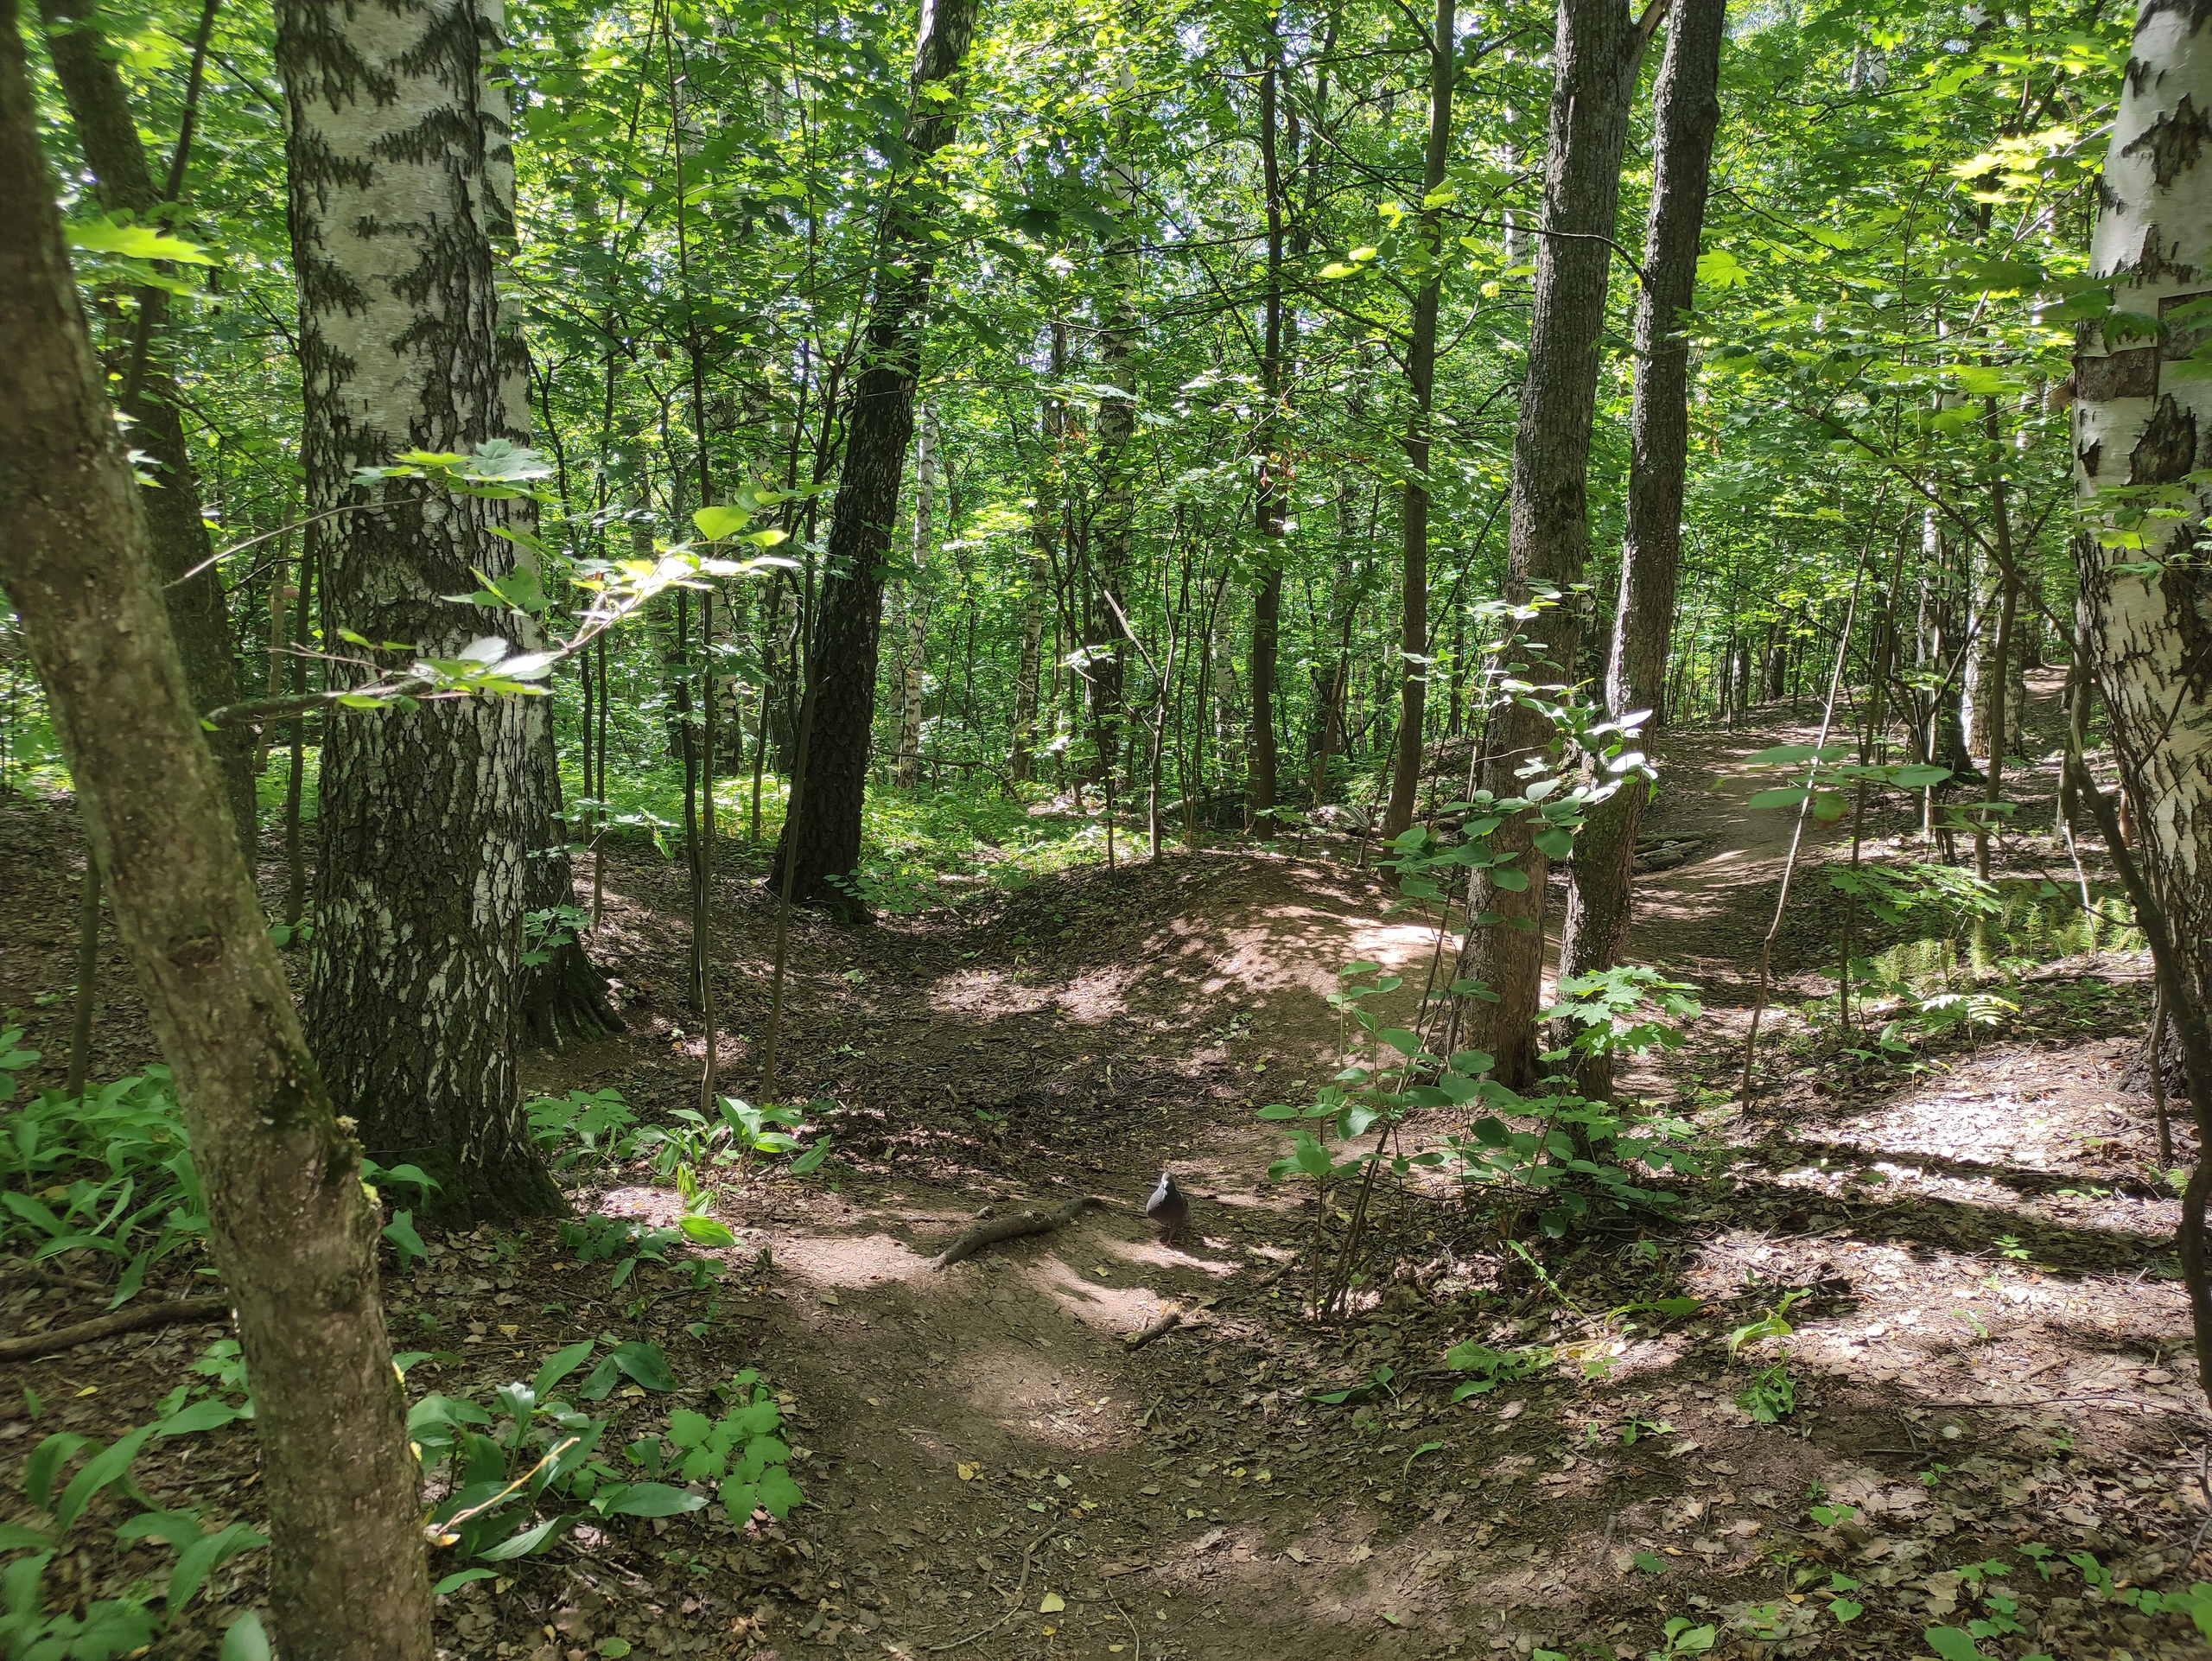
(1991, 1352)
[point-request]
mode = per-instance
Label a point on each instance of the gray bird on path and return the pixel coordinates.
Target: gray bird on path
(1169, 1206)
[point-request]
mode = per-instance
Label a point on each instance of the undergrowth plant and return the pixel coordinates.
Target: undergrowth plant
(509, 1481)
(64, 1478)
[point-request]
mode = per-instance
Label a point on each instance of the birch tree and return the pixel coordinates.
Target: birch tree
(2142, 433)
(401, 180)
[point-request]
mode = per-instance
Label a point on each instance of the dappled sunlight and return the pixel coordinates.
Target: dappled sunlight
(850, 1260)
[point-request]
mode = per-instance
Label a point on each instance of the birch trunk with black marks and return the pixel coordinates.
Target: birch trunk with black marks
(107, 133)
(1594, 59)
(2141, 425)
(908, 771)
(400, 178)
(290, 1228)
(1687, 113)
(825, 834)
(1420, 385)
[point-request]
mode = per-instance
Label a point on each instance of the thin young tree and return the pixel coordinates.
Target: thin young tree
(401, 181)
(1687, 113)
(292, 1230)
(107, 132)
(822, 838)
(1421, 386)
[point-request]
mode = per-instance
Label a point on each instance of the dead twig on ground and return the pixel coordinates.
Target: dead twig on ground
(1019, 1586)
(123, 1320)
(1010, 1228)
(1159, 1329)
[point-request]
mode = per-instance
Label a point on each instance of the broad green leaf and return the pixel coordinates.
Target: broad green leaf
(246, 1639)
(134, 242)
(1789, 797)
(705, 1231)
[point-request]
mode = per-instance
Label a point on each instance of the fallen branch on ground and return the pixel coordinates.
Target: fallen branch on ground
(1159, 1329)
(1009, 1228)
(1019, 1586)
(123, 1320)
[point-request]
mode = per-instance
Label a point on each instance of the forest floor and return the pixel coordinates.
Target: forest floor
(1990, 1368)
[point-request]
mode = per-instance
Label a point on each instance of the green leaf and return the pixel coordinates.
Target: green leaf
(530, 1540)
(209, 1413)
(705, 1231)
(1952, 1644)
(811, 1158)
(1844, 1609)
(1555, 842)
(645, 1499)
(203, 1557)
(688, 1428)
(14, 1537)
(1919, 775)
(716, 523)
(401, 1232)
(644, 1364)
(461, 1577)
(107, 1466)
(1400, 1039)
(133, 242)
(246, 1640)
(1788, 796)
(1508, 878)
(1649, 1563)
(557, 1366)
(778, 1493)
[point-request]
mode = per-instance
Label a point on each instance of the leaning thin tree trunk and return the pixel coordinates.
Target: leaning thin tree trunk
(400, 179)
(2137, 424)
(1595, 58)
(107, 132)
(1687, 113)
(1421, 382)
(825, 833)
(292, 1230)
(908, 772)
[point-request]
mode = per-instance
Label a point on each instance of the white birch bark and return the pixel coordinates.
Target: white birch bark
(402, 181)
(2142, 420)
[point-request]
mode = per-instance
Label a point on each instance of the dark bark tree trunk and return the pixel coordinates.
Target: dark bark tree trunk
(1686, 112)
(1594, 60)
(107, 132)
(292, 1230)
(827, 829)
(564, 997)
(1421, 383)
(1272, 501)
(1044, 558)
(1106, 671)
(400, 179)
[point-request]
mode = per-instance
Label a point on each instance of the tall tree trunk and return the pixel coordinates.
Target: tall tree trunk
(1687, 111)
(2136, 424)
(827, 829)
(1271, 502)
(401, 177)
(107, 132)
(1593, 77)
(908, 772)
(1044, 532)
(290, 1229)
(1420, 385)
(1106, 671)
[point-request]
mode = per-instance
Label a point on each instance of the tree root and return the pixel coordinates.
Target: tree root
(1009, 1228)
(177, 1311)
